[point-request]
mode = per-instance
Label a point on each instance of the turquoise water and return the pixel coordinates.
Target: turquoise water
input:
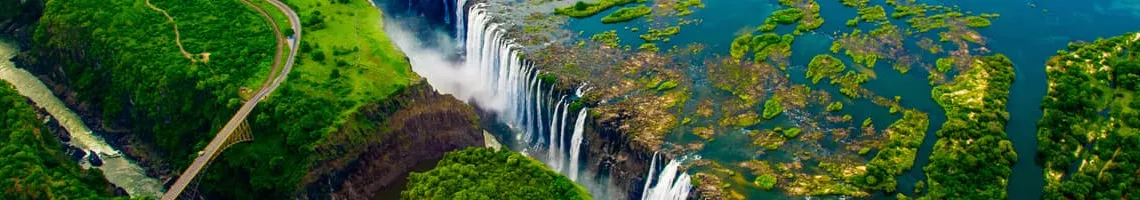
(1028, 32)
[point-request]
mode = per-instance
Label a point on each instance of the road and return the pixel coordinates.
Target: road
(216, 144)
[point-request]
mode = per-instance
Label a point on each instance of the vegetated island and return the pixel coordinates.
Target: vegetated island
(1087, 135)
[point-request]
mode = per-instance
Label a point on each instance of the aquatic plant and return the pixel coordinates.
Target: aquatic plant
(824, 65)
(626, 14)
(585, 9)
(772, 108)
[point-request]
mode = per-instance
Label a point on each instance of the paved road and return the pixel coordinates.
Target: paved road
(227, 131)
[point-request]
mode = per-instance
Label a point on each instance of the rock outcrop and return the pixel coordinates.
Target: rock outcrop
(417, 128)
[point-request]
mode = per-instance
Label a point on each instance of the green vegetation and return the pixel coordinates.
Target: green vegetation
(903, 139)
(944, 64)
(682, 7)
(824, 65)
(607, 38)
(850, 84)
(804, 12)
(835, 106)
(977, 22)
(481, 173)
(867, 122)
(1076, 129)
(660, 34)
(583, 9)
(855, 3)
(772, 108)
(231, 48)
(626, 14)
(792, 132)
(764, 46)
(972, 156)
(34, 167)
(873, 13)
(765, 182)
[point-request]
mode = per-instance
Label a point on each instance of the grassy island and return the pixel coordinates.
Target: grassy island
(1091, 118)
(481, 173)
(627, 14)
(773, 108)
(903, 139)
(824, 65)
(584, 9)
(972, 156)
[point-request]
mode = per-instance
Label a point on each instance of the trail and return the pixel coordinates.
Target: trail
(272, 82)
(178, 36)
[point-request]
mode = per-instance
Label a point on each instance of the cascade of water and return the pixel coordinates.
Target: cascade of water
(576, 144)
(561, 142)
(446, 9)
(649, 176)
(552, 151)
(460, 8)
(672, 184)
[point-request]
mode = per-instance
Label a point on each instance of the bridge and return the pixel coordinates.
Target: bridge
(236, 129)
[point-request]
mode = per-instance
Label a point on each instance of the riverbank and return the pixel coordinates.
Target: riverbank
(118, 168)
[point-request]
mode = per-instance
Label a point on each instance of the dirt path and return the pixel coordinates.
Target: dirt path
(177, 36)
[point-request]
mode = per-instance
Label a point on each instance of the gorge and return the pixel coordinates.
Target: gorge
(568, 99)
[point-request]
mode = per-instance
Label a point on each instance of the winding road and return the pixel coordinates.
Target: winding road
(216, 144)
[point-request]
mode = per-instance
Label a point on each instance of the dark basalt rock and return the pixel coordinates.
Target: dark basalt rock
(418, 127)
(94, 159)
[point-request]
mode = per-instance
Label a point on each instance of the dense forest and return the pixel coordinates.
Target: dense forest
(1087, 136)
(972, 157)
(34, 166)
(482, 173)
(131, 68)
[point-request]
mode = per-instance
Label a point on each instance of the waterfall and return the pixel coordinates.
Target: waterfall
(672, 184)
(459, 9)
(117, 169)
(576, 144)
(555, 139)
(493, 75)
(649, 176)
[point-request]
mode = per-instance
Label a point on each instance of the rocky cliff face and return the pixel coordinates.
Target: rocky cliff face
(417, 128)
(615, 153)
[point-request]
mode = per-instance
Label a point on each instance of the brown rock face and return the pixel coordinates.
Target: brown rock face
(414, 137)
(615, 153)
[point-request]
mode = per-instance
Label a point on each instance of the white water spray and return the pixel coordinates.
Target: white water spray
(672, 184)
(576, 144)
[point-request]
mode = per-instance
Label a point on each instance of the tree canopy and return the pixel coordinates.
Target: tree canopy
(482, 173)
(32, 165)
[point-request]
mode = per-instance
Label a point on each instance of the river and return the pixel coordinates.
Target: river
(1028, 32)
(118, 169)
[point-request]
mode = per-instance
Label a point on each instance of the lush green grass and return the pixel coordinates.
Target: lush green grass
(773, 108)
(481, 173)
(309, 119)
(33, 165)
(824, 65)
(583, 9)
(626, 14)
(873, 13)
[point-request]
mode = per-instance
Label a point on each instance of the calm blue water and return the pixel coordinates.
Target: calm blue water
(1027, 35)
